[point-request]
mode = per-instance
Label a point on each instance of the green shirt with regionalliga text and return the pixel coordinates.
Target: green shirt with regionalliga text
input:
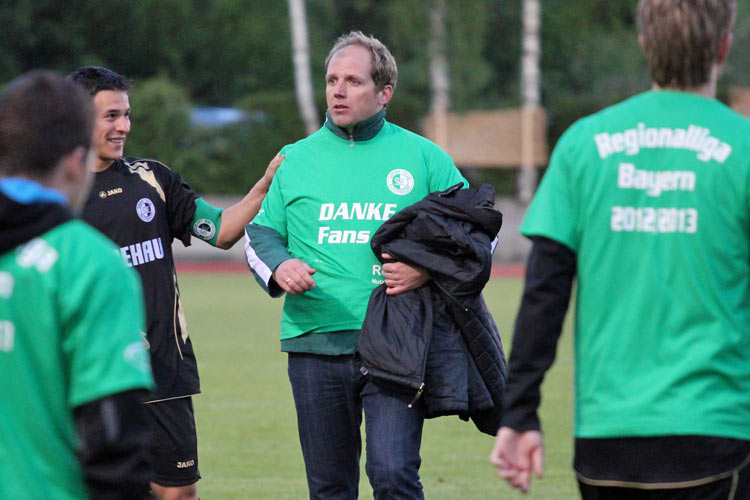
(653, 195)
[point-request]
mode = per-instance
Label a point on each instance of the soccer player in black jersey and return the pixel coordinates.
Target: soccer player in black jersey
(142, 205)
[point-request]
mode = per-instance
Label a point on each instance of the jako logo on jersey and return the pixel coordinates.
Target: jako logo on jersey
(204, 229)
(109, 192)
(143, 252)
(185, 464)
(145, 209)
(400, 181)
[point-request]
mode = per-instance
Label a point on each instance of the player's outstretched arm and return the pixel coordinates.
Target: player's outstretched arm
(517, 454)
(234, 218)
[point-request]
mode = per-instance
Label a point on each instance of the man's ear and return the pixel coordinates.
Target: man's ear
(384, 96)
(74, 165)
(724, 46)
(74, 176)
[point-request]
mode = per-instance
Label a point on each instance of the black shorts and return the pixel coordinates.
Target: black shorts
(733, 485)
(173, 450)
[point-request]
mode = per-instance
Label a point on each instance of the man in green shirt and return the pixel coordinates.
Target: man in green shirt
(73, 361)
(648, 202)
(311, 239)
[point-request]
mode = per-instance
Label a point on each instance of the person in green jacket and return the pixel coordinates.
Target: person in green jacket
(74, 365)
(311, 240)
(648, 203)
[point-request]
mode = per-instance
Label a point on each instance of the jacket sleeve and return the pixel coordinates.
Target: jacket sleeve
(549, 281)
(113, 439)
(265, 249)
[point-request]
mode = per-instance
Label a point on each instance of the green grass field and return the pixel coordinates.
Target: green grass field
(247, 425)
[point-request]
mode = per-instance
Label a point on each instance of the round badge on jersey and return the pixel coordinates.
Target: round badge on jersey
(145, 209)
(204, 229)
(400, 181)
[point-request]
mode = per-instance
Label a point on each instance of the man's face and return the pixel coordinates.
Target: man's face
(350, 90)
(111, 126)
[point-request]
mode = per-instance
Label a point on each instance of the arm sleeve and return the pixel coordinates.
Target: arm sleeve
(554, 211)
(549, 281)
(113, 436)
(444, 173)
(181, 205)
(206, 221)
(265, 249)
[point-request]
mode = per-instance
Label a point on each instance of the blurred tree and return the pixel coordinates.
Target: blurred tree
(301, 61)
(225, 52)
(160, 121)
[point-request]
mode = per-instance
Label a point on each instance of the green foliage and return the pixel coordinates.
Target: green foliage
(160, 121)
(227, 52)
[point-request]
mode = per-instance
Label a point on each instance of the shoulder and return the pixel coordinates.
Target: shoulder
(166, 181)
(137, 165)
(84, 254)
(317, 139)
(80, 241)
(393, 132)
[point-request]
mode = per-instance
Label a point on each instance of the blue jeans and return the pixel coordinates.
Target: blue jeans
(330, 394)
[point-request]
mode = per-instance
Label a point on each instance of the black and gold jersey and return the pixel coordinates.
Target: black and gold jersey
(142, 205)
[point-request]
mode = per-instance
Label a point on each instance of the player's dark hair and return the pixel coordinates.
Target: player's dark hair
(43, 117)
(95, 79)
(682, 38)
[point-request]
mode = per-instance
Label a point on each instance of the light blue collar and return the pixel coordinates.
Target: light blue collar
(27, 191)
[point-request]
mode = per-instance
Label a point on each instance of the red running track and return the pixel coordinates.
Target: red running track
(208, 266)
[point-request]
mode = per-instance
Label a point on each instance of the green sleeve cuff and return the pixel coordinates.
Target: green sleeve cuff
(206, 221)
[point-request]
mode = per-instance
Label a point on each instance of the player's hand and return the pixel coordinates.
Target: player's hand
(400, 277)
(294, 276)
(272, 167)
(516, 455)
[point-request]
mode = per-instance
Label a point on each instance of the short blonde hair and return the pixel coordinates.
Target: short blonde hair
(682, 38)
(383, 65)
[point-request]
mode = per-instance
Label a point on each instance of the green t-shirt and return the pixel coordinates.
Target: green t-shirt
(71, 317)
(653, 195)
(327, 200)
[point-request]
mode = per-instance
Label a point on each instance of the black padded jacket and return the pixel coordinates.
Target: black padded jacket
(440, 340)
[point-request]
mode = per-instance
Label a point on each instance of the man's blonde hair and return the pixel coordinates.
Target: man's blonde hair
(682, 38)
(383, 65)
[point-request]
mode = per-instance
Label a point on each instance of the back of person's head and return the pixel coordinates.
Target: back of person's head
(43, 117)
(95, 79)
(384, 70)
(682, 38)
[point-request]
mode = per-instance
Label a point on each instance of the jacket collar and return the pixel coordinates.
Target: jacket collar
(28, 210)
(363, 131)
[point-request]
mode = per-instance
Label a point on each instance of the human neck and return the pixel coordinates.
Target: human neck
(101, 165)
(708, 89)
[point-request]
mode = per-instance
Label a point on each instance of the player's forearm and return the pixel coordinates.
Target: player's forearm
(235, 218)
(549, 281)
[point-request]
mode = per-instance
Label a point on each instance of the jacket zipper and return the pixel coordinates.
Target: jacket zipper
(351, 140)
(419, 393)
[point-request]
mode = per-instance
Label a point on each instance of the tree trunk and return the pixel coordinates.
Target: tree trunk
(439, 74)
(301, 62)
(531, 48)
